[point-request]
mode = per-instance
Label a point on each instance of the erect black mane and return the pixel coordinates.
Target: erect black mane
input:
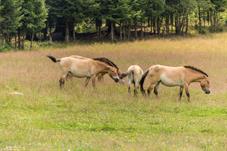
(106, 61)
(196, 69)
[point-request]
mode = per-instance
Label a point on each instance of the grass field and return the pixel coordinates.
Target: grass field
(107, 118)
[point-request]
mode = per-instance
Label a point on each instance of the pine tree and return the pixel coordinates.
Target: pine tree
(10, 19)
(34, 17)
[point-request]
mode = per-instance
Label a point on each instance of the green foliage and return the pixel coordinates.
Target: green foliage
(34, 15)
(10, 17)
(20, 18)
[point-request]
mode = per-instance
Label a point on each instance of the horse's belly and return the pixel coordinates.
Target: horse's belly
(80, 73)
(167, 81)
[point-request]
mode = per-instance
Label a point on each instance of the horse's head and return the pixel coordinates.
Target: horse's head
(114, 74)
(205, 85)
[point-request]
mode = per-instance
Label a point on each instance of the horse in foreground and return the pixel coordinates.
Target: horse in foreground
(104, 60)
(174, 76)
(134, 74)
(108, 62)
(82, 67)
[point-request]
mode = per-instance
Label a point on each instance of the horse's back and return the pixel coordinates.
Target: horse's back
(163, 68)
(137, 72)
(78, 57)
(69, 63)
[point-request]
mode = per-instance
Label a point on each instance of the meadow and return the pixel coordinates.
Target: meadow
(107, 118)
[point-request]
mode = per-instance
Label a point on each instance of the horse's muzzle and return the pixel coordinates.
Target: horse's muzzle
(116, 80)
(207, 92)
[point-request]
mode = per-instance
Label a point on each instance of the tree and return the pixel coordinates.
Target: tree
(10, 19)
(34, 17)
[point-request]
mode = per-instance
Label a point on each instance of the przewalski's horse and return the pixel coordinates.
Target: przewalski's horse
(134, 74)
(104, 60)
(83, 68)
(108, 62)
(174, 76)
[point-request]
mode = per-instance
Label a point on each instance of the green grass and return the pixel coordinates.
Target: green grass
(107, 118)
(110, 120)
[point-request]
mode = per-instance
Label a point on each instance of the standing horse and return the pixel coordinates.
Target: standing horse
(134, 74)
(174, 76)
(83, 68)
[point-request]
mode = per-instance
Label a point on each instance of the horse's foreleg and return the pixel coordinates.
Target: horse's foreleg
(187, 92)
(180, 93)
(150, 88)
(100, 76)
(93, 81)
(156, 88)
(87, 81)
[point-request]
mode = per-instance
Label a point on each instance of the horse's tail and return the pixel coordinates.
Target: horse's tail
(53, 59)
(142, 82)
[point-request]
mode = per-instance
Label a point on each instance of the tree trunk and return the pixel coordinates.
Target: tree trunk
(74, 33)
(177, 25)
(167, 24)
(98, 24)
(141, 33)
(31, 42)
(23, 38)
(50, 35)
(135, 29)
(19, 39)
(124, 31)
(121, 31)
(15, 41)
(129, 31)
(154, 25)
(200, 20)
(112, 31)
(186, 28)
(66, 32)
(45, 31)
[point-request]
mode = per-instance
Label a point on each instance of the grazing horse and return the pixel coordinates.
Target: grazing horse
(101, 59)
(83, 68)
(134, 74)
(108, 62)
(174, 76)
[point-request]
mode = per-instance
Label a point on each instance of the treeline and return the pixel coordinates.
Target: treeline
(20, 19)
(68, 20)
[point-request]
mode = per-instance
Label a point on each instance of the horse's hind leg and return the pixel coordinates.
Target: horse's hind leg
(93, 81)
(187, 92)
(180, 93)
(129, 85)
(136, 87)
(69, 76)
(62, 80)
(129, 89)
